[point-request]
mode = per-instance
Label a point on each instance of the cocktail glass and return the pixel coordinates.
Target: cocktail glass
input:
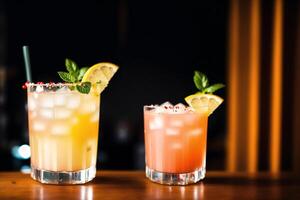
(63, 133)
(175, 144)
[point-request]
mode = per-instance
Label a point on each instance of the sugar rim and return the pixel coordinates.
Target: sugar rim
(49, 84)
(157, 106)
(171, 111)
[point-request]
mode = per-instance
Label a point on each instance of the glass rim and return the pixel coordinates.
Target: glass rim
(157, 105)
(50, 87)
(49, 84)
(150, 110)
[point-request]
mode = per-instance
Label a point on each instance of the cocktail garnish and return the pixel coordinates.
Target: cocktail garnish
(99, 75)
(202, 83)
(87, 79)
(74, 75)
(204, 101)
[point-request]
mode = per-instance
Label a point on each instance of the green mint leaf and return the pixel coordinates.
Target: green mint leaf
(214, 87)
(75, 75)
(200, 80)
(71, 87)
(197, 81)
(82, 72)
(84, 87)
(71, 65)
(203, 79)
(67, 77)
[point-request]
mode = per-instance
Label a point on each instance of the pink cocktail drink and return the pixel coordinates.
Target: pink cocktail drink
(175, 142)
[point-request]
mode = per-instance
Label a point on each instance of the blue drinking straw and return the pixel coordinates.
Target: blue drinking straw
(27, 63)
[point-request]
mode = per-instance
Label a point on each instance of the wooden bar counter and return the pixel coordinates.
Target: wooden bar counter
(127, 185)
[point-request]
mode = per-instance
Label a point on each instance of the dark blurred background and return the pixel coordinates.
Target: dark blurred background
(158, 45)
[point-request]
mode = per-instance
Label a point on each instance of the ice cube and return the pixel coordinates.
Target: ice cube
(176, 146)
(85, 97)
(88, 107)
(166, 107)
(176, 123)
(180, 108)
(46, 101)
(167, 103)
(156, 123)
(46, 113)
(60, 129)
(39, 88)
(73, 102)
(172, 132)
(32, 104)
(196, 132)
(60, 99)
(159, 109)
(190, 119)
(62, 113)
(38, 125)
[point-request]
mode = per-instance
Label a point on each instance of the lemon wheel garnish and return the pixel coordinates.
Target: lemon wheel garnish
(204, 103)
(99, 75)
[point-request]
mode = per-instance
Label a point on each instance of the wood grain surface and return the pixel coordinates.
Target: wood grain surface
(127, 185)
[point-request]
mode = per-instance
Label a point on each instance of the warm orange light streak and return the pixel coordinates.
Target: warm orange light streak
(296, 115)
(296, 106)
(254, 86)
(276, 89)
(233, 86)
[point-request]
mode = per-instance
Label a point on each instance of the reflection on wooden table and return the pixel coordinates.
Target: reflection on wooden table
(134, 185)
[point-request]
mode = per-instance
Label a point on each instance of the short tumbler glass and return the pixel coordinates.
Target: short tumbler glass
(63, 133)
(175, 145)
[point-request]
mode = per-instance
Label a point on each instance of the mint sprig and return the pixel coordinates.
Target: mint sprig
(84, 87)
(200, 80)
(202, 83)
(67, 77)
(71, 65)
(82, 72)
(75, 74)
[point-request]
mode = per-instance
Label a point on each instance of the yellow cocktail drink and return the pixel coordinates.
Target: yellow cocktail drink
(63, 129)
(64, 121)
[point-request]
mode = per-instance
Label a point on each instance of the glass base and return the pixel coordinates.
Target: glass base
(175, 178)
(63, 177)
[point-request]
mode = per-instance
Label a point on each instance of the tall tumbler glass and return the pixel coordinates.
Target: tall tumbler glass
(175, 143)
(63, 133)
